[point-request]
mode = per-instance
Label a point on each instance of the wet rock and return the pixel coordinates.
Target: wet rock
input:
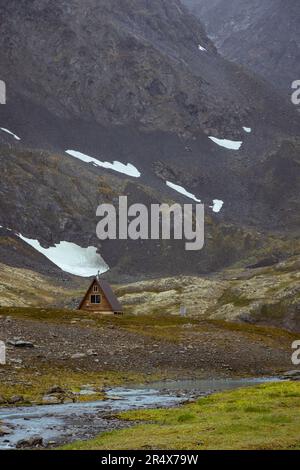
(5, 431)
(292, 374)
(34, 441)
(51, 400)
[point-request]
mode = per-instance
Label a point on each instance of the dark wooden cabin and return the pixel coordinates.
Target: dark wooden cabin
(99, 298)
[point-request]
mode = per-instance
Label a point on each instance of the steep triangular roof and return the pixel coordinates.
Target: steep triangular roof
(108, 292)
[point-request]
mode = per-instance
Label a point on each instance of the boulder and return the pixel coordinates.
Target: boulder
(34, 441)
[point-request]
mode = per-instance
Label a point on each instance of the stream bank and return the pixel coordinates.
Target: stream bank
(53, 425)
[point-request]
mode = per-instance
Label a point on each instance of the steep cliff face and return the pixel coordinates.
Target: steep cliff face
(263, 35)
(138, 82)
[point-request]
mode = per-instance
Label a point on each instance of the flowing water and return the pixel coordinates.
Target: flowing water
(58, 424)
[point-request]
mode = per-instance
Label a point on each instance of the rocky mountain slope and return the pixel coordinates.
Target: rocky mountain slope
(114, 62)
(140, 83)
(68, 214)
(263, 35)
(267, 295)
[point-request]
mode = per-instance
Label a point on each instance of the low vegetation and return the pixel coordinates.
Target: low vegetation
(260, 417)
(22, 287)
(32, 384)
(156, 325)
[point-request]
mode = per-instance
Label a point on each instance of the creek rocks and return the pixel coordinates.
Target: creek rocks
(34, 441)
(58, 399)
(292, 375)
(5, 431)
(56, 395)
(51, 400)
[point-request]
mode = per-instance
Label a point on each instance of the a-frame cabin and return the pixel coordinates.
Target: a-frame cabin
(99, 298)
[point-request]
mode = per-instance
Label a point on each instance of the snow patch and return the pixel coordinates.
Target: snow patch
(247, 129)
(217, 205)
(6, 228)
(71, 258)
(228, 144)
(181, 190)
(201, 48)
(9, 132)
(128, 169)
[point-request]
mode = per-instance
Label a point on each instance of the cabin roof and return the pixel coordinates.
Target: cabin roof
(109, 294)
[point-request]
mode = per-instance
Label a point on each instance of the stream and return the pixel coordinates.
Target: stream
(64, 423)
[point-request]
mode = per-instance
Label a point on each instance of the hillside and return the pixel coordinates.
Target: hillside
(263, 35)
(266, 294)
(138, 83)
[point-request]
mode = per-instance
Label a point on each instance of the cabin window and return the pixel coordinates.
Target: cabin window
(96, 299)
(95, 288)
